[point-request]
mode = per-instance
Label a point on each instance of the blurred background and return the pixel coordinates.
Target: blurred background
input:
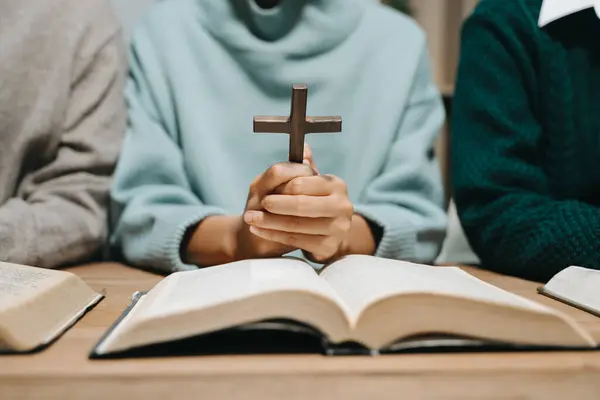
(442, 21)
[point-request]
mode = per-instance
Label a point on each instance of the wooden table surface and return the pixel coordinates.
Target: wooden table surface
(63, 371)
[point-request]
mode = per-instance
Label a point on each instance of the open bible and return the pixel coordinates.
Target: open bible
(38, 305)
(359, 302)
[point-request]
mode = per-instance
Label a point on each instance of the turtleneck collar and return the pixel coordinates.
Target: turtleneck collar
(293, 27)
(273, 23)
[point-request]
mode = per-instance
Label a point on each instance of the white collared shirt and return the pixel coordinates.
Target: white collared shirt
(553, 10)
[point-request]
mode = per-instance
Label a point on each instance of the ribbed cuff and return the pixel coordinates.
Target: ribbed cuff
(399, 240)
(165, 250)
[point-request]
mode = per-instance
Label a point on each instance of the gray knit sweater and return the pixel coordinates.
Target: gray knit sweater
(61, 124)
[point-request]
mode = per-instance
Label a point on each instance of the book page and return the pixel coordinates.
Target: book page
(226, 283)
(18, 282)
(579, 286)
(52, 299)
(363, 280)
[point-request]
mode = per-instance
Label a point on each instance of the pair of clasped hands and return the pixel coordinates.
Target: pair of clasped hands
(291, 206)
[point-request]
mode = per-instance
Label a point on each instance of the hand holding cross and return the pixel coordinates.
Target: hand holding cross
(297, 124)
(319, 224)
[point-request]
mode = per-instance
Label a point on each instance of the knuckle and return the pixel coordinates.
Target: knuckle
(342, 225)
(274, 171)
(347, 207)
(332, 179)
(342, 203)
(338, 184)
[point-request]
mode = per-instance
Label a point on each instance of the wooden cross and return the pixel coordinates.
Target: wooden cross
(298, 124)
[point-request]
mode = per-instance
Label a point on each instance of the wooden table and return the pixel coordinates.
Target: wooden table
(64, 372)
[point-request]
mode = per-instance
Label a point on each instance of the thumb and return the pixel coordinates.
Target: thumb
(308, 158)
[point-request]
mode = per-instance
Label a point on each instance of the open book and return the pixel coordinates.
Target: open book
(37, 305)
(576, 286)
(371, 302)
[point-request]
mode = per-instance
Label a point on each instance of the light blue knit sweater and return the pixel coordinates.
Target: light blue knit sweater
(201, 69)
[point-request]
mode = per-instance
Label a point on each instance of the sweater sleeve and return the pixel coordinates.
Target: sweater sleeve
(510, 217)
(406, 198)
(153, 202)
(59, 216)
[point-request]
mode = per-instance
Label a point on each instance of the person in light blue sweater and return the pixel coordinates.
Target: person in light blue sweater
(195, 187)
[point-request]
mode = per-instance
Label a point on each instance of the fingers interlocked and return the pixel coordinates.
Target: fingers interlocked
(312, 213)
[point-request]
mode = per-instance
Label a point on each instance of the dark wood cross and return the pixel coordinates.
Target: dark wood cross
(298, 124)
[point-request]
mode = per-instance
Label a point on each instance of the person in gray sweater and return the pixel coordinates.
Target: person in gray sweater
(62, 119)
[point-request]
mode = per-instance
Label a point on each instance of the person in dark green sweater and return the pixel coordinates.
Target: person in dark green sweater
(526, 136)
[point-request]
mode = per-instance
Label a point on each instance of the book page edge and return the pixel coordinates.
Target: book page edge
(576, 326)
(99, 349)
(555, 296)
(70, 322)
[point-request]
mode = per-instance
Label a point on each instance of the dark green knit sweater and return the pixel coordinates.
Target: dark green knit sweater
(526, 139)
